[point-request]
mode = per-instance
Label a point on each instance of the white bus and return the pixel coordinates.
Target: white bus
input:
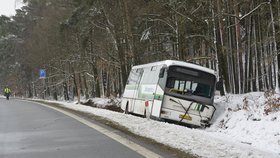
(172, 91)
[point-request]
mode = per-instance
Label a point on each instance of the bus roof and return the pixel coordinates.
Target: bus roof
(176, 63)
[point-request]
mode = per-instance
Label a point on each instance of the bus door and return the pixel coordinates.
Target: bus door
(159, 93)
(138, 76)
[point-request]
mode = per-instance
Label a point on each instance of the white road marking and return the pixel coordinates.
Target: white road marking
(133, 146)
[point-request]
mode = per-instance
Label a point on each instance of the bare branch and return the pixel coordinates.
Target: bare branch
(100, 27)
(253, 10)
(165, 22)
(181, 14)
(196, 8)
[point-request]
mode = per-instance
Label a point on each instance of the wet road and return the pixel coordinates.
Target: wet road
(29, 130)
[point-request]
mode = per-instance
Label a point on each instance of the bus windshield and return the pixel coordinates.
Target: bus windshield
(186, 82)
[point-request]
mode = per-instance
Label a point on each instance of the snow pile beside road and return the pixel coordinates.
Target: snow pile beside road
(240, 129)
(242, 119)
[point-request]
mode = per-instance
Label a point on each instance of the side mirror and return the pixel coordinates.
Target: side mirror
(219, 85)
(161, 73)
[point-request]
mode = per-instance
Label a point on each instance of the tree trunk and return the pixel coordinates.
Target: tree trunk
(275, 53)
(256, 62)
(223, 57)
(238, 46)
(76, 84)
(86, 86)
(249, 76)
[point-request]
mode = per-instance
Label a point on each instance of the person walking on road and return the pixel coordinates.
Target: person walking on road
(7, 92)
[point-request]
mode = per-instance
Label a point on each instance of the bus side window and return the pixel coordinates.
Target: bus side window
(170, 83)
(161, 73)
(134, 76)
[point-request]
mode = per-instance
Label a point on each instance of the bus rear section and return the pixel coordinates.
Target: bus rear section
(188, 96)
(140, 89)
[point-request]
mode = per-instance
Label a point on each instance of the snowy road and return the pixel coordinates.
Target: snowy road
(28, 130)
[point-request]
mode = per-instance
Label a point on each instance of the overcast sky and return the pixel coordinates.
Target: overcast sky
(7, 7)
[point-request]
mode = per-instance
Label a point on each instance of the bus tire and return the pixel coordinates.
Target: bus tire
(126, 109)
(145, 114)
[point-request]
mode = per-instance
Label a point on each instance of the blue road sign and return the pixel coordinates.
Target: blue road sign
(43, 73)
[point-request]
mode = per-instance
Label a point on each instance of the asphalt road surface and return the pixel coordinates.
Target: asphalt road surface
(29, 130)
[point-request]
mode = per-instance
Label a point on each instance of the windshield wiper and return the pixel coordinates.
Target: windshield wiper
(186, 110)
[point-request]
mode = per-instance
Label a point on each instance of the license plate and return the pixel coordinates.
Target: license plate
(185, 117)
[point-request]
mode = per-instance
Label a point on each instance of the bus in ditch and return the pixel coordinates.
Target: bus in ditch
(170, 90)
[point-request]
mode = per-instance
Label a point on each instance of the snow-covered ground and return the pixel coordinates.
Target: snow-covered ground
(240, 128)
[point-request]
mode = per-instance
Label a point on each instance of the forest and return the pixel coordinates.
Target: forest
(88, 47)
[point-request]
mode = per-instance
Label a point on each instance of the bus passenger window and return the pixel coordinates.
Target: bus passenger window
(188, 85)
(181, 85)
(177, 84)
(194, 85)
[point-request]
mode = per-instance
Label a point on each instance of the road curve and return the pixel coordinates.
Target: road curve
(29, 130)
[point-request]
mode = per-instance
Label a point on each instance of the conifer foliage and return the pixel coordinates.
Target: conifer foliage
(88, 47)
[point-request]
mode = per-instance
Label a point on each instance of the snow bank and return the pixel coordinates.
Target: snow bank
(240, 128)
(242, 119)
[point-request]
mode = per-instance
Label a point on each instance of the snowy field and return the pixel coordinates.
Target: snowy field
(240, 128)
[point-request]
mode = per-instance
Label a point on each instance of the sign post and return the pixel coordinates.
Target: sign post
(43, 75)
